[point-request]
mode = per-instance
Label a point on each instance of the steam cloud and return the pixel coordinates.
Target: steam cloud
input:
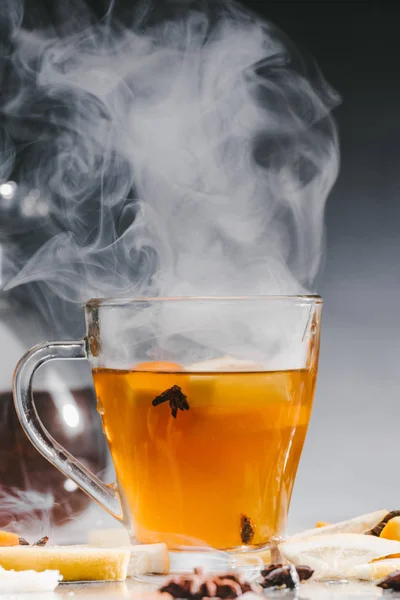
(185, 155)
(189, 155)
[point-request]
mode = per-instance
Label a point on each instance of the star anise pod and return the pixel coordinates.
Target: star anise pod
(278, 575)
(22, 542)
(176, 398)
(304, 572)
(42, 542)
(197, 586)
(391, 583)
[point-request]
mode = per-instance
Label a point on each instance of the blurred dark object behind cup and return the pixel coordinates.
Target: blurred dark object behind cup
(29, 486)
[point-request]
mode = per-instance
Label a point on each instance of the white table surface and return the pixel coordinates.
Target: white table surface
(131, 589)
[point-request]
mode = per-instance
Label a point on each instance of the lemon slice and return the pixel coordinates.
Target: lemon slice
(358, 524)
(333, 556)
(74, 563)
(144, 558)
(376, 570)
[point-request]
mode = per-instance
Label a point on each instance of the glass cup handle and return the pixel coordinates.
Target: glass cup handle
(106, 495)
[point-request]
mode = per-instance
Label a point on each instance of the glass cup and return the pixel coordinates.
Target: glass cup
(205, 404)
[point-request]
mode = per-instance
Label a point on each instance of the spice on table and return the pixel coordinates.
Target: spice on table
(8, 538)
(392, 582)
(199, 585)
(42, 542)
(304, 572)
(22, 542)
(279, 575)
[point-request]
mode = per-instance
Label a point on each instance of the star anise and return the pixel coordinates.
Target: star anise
(278, 575)
(176, 398)
(22, 542)
(197, 586)
(391, 583)
(42, 542)
(304, 572)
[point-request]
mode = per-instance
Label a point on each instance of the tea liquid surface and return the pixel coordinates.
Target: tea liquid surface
(220, 473)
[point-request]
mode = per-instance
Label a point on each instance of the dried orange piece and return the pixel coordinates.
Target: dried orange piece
(391, 531)
(158, 365)
(387, 557)
(9, 539)
(322, 524)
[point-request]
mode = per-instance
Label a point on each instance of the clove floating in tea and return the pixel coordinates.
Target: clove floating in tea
(246, 529)
(176, 398)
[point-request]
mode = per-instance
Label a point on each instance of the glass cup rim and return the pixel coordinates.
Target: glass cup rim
(311, 299)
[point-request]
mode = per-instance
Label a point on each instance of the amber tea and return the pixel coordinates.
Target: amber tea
(204, 457)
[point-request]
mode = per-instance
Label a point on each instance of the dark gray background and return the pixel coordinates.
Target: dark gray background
(351, 453)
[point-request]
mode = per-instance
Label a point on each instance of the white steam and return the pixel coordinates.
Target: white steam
(191, 156)
(26, 512)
